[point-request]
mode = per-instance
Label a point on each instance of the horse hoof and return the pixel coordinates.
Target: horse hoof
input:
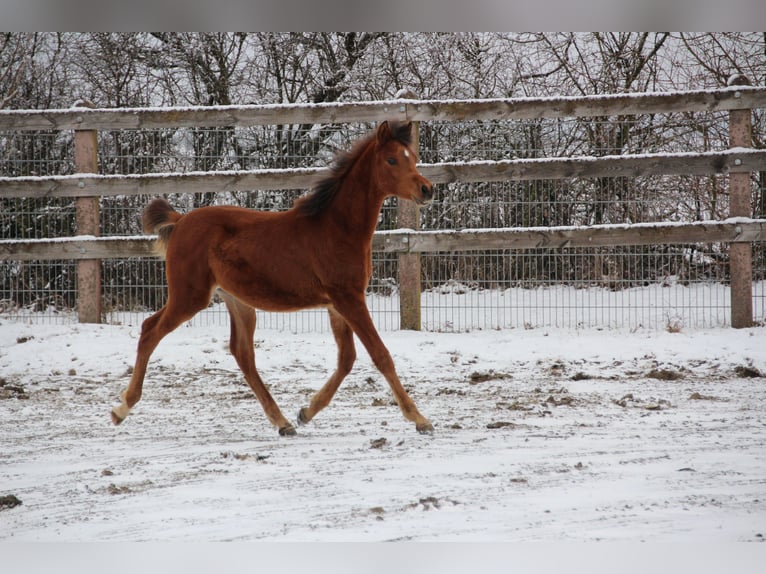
(116, 419)
(302, 419)
(288, 430)
(425, 428)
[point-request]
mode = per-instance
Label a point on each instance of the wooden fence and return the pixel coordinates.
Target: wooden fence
(739, 161)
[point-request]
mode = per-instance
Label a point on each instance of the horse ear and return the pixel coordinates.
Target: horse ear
(384, 132)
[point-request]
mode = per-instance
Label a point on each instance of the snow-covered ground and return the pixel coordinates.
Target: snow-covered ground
(541, 434)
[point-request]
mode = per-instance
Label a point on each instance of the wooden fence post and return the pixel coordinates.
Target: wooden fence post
(740, 254)
(88, 223)
(408, 217)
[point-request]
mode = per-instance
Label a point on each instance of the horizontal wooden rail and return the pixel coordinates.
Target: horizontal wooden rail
(729, 161)
(78, 247)
(737, 160)
(407, 241)
(730, 98)
(89, 185)
(565, 237)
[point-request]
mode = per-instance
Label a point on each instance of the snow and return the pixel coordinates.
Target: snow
(549, 435)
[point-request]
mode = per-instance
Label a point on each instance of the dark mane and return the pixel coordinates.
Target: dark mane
(325, 190)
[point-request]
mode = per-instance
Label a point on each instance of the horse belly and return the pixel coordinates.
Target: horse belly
(271, 290)
(277, 300)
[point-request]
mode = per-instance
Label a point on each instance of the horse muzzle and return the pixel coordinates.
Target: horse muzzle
(426, 194)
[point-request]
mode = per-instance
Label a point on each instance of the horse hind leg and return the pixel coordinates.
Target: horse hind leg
(153, 330)
(242, 318)
(344, 338)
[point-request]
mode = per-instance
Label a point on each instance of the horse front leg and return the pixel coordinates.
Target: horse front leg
(354, 311)
(344, 338)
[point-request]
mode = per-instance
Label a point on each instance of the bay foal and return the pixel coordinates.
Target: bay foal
(317, 254)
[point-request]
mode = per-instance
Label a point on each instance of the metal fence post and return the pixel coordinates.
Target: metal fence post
(408, 217)
(88, 223)
(740, 254)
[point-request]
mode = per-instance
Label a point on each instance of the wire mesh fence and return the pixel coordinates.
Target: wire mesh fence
(623, 287)
(559, 289)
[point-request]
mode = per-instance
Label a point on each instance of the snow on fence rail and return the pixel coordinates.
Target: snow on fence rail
(736, 229)
(80, 118)
(737, 162)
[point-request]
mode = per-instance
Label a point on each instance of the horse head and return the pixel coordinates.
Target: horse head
(395, 164)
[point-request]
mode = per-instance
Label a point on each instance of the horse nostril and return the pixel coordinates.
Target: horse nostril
(427, 190)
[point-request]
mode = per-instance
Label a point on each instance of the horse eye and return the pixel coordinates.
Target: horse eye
(391, 161)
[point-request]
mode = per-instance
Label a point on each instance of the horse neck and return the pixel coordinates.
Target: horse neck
(360, 199)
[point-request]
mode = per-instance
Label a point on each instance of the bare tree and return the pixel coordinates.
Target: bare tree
(14, 60)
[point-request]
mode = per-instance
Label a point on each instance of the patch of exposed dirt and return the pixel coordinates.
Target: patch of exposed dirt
(501, 425)
(9, 501)
(747, 372)
(12, 391)
(482, 377)
(650, 404)
(664, 375)
(700, 397)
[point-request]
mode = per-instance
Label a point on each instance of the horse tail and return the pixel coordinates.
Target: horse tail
(160, 218)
